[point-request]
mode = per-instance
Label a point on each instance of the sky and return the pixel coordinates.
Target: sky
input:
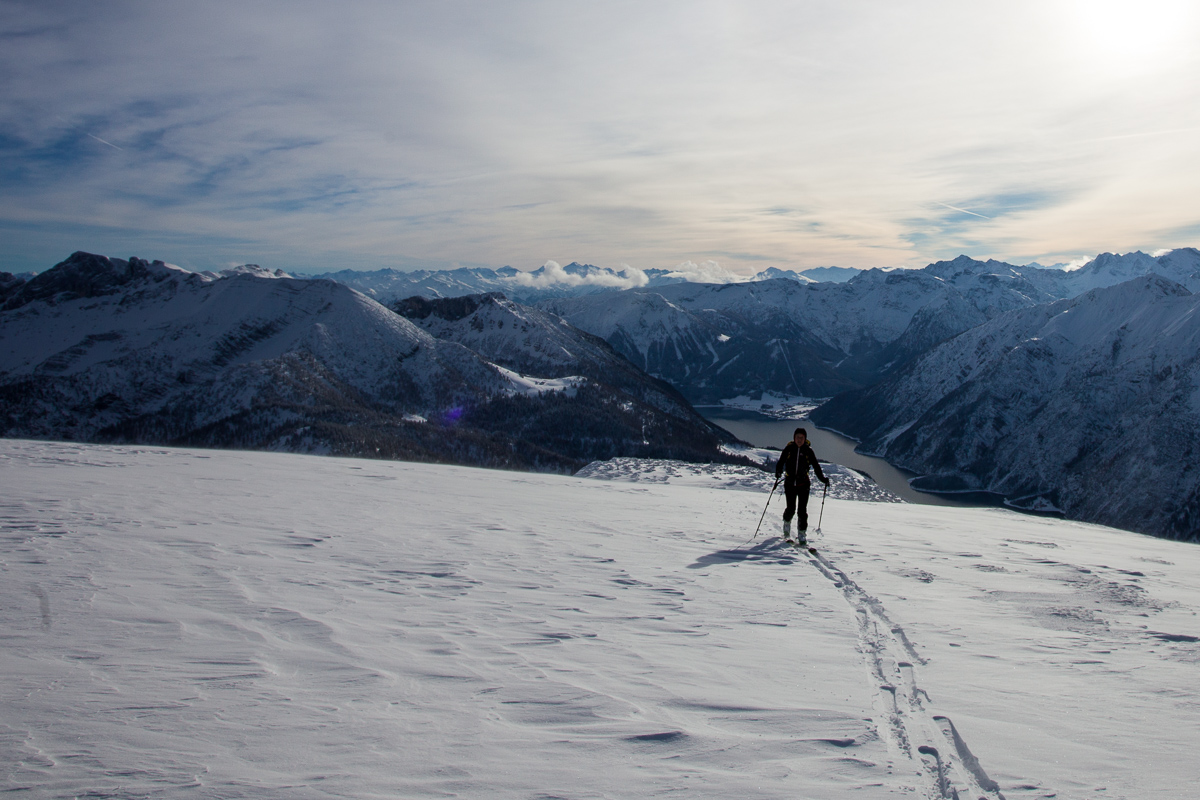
(318, 136)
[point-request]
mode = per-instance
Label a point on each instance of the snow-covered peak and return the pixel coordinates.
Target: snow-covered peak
(90, 275)
(236, 360)
(962, 263)
(1180, 260)
(253, 270)
(771, 273)
(1108, 269)
(549, 280)
(965, 265)
(830, 274)
(1118, 267)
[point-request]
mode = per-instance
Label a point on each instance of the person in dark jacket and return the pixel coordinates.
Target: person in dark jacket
(793, 465)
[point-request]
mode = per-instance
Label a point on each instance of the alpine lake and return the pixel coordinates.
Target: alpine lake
(768, 432)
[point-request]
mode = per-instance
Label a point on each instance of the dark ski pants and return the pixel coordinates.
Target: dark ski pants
(795, 490)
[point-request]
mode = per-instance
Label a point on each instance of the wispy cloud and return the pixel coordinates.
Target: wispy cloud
(705, 272)
(670, 134)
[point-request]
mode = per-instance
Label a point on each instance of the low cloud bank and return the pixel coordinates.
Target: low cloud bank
(554, 274)
(705, 272)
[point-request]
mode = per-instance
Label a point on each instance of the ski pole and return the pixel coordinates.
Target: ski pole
(822, 515)
(764, 514)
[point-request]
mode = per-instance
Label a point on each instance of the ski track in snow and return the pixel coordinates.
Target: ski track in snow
(488, 657)
(913, 734)
(927, 753)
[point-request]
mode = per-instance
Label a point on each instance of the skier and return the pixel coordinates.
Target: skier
(795, 460)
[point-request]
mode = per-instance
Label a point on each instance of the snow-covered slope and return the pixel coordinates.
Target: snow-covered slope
(1090, 405)
(185, 623)
(697, 337)
(533, 341)
(530, 341)
(100, 347)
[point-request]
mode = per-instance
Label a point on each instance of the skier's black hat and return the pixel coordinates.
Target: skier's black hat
(799, 430)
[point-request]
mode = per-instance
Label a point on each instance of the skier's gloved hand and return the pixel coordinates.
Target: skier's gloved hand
(824, 480)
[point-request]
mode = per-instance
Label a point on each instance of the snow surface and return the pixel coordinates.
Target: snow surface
(844, 483)
(529, 385)
(773, 405)
(188, 623)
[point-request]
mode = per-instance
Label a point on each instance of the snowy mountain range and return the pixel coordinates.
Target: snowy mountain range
(549, 280)
(814, 339)
(978, 375)
(546, 282)
(802, 334)
(100, 349)
(811, 333)
(807, 339)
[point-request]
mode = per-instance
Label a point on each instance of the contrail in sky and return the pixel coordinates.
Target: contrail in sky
(110, 144)
(963, 210)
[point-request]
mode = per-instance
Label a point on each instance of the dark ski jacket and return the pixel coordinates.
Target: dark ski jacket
(795, 461)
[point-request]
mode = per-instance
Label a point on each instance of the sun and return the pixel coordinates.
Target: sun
(1131, 37)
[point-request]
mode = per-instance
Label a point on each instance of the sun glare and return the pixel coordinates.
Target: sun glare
(1131, 36)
